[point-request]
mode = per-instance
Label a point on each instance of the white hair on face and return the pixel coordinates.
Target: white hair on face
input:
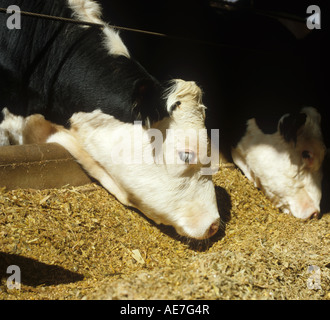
(189, 98)
(91, 11)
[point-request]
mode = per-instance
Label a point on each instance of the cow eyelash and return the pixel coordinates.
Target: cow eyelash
(306, 155)
(187, 156)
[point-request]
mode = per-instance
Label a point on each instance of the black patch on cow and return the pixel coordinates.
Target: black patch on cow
(146, 102)
(268, 125)
(57, 69)
(290, 125)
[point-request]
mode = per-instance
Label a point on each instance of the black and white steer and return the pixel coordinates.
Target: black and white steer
(78, 86)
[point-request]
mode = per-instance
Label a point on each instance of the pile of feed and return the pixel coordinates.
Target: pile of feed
(81, 243)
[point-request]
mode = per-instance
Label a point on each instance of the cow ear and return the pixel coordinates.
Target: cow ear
(147, 104)
(290, 124)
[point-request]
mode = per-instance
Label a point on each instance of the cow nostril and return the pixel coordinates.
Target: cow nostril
(214, 228)
(316, 215)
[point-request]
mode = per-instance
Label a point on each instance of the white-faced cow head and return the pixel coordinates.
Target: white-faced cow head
(286, 165)
(162, 170)
(158, 170)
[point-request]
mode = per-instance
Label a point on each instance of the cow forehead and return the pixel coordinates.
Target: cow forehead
(189, 96)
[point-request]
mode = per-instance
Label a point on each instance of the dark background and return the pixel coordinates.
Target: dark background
(246, 61)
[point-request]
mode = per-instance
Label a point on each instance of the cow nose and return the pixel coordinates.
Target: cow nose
(214, 228)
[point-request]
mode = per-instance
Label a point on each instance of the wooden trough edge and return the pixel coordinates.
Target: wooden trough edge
(39, 166)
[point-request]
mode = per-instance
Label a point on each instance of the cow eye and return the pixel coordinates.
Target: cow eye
(187, 156)
(306, 155)
(174, 106)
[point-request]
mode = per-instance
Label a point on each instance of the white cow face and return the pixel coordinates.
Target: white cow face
(289, 172)
(157, 170)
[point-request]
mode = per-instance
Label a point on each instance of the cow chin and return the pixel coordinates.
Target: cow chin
(196, 223)
(301, 202)
(302, 206)
(192, 222)
(304, 213)
(200, 232)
